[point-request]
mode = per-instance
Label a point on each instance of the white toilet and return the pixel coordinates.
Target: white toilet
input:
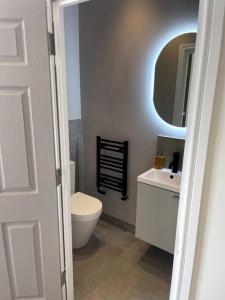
(85, 213)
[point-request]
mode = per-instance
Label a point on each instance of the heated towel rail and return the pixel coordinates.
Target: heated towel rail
(112, 158)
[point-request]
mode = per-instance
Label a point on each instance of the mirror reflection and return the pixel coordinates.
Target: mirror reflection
(172, 79)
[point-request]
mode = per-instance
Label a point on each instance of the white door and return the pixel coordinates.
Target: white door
(29, 235)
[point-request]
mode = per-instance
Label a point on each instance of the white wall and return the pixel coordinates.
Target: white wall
(209, 268)
(71, 19)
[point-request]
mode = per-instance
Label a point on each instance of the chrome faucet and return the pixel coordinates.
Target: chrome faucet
(175, 162)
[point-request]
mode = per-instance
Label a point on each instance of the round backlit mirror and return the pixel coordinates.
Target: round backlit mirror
(172, 79)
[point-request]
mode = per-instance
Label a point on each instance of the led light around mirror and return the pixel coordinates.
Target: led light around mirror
(172, 79)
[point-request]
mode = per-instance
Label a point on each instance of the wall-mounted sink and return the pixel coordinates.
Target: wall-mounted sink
(164, 179)
(157, 208)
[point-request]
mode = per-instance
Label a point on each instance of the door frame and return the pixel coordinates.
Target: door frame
(205, 67)
(202, 98)
(63, 224)
(58, 72)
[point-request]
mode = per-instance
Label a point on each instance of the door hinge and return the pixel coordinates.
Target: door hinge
(58, 177)
(51, 43)
(63, 277)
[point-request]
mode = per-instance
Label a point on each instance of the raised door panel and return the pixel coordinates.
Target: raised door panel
(13, 50)
(16, 163)
(23, 256)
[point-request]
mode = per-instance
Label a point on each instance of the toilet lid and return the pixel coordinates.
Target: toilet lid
(84, 206)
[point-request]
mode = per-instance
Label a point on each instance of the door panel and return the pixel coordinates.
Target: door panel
(13, 50)
(15, 102)
(29, 233)
(26, 262)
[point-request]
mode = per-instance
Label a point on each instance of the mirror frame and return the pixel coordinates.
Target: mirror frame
(177, 131)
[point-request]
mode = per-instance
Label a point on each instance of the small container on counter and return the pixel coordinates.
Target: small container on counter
(159, 162)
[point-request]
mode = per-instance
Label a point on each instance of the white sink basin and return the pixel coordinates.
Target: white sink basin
(164, 179)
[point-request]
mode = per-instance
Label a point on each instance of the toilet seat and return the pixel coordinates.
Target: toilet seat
(85, 207)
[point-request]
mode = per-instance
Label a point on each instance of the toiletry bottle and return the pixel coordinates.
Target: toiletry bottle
(159, 162)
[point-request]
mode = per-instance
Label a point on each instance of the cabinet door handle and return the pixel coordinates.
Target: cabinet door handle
(176, 197)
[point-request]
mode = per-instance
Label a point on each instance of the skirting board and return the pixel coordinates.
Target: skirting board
(119, 223)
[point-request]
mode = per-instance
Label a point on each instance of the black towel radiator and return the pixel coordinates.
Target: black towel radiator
(112, 158)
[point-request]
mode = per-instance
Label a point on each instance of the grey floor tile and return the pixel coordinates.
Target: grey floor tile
(117, 266)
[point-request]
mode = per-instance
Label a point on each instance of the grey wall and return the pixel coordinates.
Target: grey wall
(71, 23)
(77, 151)
(118, 40)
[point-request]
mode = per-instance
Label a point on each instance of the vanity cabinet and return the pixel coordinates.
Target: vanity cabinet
(156, 218)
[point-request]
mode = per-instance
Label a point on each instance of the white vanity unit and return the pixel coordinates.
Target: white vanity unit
(157, 208)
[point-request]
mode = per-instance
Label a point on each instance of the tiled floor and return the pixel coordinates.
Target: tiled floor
(117, 266)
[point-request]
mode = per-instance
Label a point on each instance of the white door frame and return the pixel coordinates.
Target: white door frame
(60, 63)
(62, 223)
(201, 101)
(206, 62)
